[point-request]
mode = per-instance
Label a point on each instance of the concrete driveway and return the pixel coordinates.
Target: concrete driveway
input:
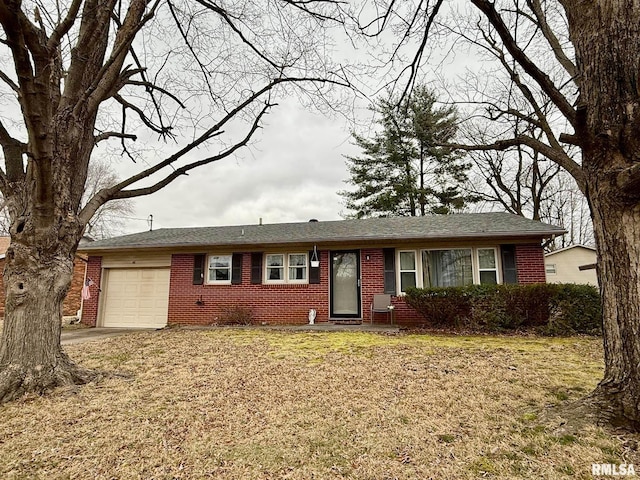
(81, 335)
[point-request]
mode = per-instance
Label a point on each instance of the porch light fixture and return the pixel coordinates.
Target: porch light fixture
(315, 261)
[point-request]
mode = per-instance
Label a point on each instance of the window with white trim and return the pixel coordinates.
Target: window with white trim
(447, 268)
(286, 268)
(275, 268)
(408, 269)
(487, 266)
(454, 267)
(297, 267)
(219, 269)
(550, 268)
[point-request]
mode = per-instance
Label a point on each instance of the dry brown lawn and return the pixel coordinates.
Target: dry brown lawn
(263, 404)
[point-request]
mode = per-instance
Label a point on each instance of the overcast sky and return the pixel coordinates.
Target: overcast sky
(291, 173)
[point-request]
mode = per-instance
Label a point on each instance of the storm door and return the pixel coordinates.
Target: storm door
(345, 284)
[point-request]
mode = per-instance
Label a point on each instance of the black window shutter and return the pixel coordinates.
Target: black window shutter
(314, 272)
(389, 270)
(509, 267)
(198, 268)
(236, 269)
(256, 268)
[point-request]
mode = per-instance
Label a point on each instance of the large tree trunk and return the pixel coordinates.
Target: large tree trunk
(43, 199)
(617, 231)
(37, 278)
(606, 35)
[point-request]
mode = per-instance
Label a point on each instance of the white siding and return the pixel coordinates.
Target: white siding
(567, 263)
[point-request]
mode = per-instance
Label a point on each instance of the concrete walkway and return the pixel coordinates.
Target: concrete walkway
(318, 327)
(332, 327)
(82, 335)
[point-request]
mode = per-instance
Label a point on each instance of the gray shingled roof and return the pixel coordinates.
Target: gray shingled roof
(491, 225)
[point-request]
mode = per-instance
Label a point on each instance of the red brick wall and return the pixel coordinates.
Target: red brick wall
(530, 264)
(90, 306)
(272, 304)
(71, 303)
(285, 304)
(373, 283)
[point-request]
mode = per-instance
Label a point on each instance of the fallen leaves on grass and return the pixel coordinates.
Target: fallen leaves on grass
(258, 404)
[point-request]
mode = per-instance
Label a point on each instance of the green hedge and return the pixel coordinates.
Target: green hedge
(548, 308)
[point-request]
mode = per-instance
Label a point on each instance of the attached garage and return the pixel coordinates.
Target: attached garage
(135, 297)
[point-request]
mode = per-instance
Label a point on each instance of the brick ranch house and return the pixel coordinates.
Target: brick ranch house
(280, 271)
(72, 302)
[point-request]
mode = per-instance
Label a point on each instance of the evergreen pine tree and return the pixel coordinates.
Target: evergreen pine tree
(404, 170)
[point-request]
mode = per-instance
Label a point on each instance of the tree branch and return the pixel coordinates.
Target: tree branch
(106, 135)
(117, 192)
(13, 21)
(106, 78)
(524, 89)
(415, 63)
(560, 157)
(548, 33)
(5, 78)
(88, 54)
(385, 19)
(150, 86)
(31, 35)
(125, 77)
(205, 73)
(63, 27)
(182, 170)
(162, 130)
(303, 6)
(570, 139)
(13, 150)
(540, 77)
(111, 193)
(227, 19)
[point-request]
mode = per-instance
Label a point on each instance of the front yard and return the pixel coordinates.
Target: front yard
(260, 404)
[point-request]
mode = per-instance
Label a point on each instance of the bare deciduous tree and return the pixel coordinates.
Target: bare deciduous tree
(109, 219)
(525, 183)
(81, 72)
(569, 69)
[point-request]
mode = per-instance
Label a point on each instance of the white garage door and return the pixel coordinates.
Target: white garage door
(136, 297)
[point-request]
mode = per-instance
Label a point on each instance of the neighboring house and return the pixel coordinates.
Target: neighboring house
(563, 265)
(196, 275)
(72, 302)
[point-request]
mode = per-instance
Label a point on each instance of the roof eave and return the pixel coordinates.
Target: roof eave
(571, 247)
(326, 241)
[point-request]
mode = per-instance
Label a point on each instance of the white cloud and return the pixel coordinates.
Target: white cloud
(291, 173)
